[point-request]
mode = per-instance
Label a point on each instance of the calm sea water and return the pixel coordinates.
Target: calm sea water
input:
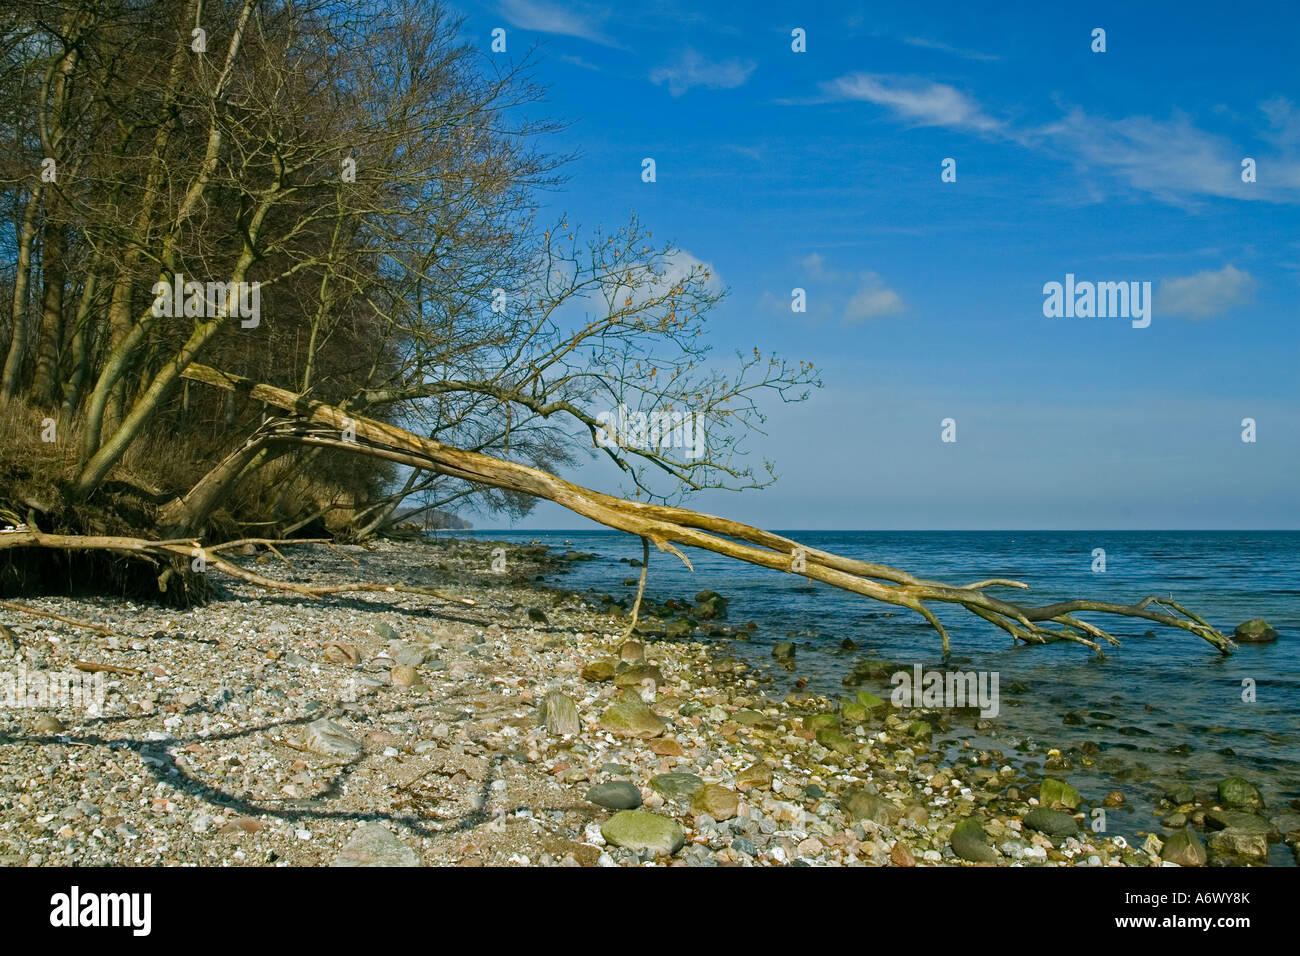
(1146, 703)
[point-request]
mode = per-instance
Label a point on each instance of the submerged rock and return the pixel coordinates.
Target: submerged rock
(560, 714)
(1236, 793)
(1255, 631)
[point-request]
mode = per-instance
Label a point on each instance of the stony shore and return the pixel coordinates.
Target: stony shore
(399, 729)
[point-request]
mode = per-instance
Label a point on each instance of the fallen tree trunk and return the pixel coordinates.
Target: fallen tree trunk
(668, 527)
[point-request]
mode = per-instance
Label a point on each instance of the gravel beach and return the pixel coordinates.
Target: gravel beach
(400, 729)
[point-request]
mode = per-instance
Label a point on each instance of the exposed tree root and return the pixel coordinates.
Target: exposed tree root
(167, 553)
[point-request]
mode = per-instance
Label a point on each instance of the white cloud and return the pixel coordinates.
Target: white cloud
(872, 300)
(691, 69)
(941, 47)
(1205, 294)
(546, 17)
(919, 102)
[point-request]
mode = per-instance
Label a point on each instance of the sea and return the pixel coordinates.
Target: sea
(1165, 708)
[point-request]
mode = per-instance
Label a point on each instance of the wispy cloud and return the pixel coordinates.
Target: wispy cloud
(690, 69)
(916, 101)
(1205, 294)
(868, 296)
(569, 19)
(941, 47)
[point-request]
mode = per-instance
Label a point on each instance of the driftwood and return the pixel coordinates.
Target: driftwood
(166, 552)
(318, 425)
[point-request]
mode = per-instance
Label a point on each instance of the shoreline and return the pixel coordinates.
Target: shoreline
(269, 730)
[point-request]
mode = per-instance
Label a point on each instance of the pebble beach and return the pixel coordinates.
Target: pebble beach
(529, 728)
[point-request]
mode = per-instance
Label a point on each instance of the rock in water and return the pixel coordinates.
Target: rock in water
(1237, 844)
(629, 716)
(1184, 848)
(374, 845)
(1255, 631)
(718, 802)
(561, 715)
(970, 842)
(1051, 822)
(615, 795)
(1057, 793)
(328, 738)
(641, 830)
(1236, 793)
(783, 650)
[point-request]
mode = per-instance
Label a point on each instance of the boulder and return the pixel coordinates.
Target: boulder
(641, 830)
(1255, 631)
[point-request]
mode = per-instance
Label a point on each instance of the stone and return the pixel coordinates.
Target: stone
(1238, 844)
(387, 631)
(634, 675)
(679, 629)
(783, 650)
(560, 714)
(615, 795)
(410, 655)
(860, 805)
(833, 740)
(404, 675)
(971, 843)
(537, 616)
(632, 651)
(871, 701)
(717, 801)
(1051, 822)
(375, 845)
(666, 747)
(1236, 793)
(1184, 848)
(1057, 793)
(342, 653)
(630, 716)
(710, 605)
(901, 855)
(755, 776)
(641, 830)
(599, 671)
(851, 712)
(1255, 631)
(47, 724)
(678, 787)
(1114, 799)
(1240, 820)
(329, 739)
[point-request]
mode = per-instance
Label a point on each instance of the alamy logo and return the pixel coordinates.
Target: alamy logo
(921, 688)
(1104, 300)
(210, 300)
(74, 909)
(619, 429)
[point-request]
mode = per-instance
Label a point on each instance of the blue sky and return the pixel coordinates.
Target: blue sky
(821, 170)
